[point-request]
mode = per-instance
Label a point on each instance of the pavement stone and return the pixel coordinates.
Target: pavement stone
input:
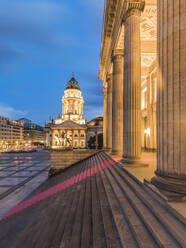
(20, 174)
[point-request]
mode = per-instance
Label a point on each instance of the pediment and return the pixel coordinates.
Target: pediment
(69, 124)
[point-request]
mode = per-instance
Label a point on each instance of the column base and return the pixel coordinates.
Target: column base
(109, 150)
(115, 154)
(133, 162)
(173, 187)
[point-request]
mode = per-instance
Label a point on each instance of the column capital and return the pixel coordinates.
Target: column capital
(133, 7)
(117, 54)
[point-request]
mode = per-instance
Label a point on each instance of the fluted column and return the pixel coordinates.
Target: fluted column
(171, 96)
(117, 103)
(109, 112)
(105, 116)
(132, 81)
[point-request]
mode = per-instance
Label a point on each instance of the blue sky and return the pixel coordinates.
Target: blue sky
(42, 42)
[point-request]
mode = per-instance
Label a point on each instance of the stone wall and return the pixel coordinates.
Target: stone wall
(62, 159)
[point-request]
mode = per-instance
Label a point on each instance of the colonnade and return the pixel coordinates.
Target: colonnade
(122, 96)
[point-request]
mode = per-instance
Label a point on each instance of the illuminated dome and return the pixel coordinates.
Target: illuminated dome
(72, 84)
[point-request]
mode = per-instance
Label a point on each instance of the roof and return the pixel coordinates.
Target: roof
(25, 120)
(72, 83)
(68, 124)
(96, 121)
(95, 203)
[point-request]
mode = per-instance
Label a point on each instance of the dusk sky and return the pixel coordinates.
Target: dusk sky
(42, 42)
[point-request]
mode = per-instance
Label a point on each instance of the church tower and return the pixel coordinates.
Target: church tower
(72, 103)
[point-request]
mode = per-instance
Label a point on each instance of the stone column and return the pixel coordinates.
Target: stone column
(109, 112)
(79, 139)
(117, 103)
(132, 81)
(171, 98)
(105, 116)
(96, 140)
(72, 138)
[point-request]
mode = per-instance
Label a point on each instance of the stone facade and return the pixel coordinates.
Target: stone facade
(68, 134)
(150, 80)
(128, 57)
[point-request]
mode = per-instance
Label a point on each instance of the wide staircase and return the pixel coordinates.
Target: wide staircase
(109, 208)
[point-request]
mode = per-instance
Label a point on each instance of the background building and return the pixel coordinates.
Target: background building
(32, 133)
(11, 133)
(95, 133)
(69, 129)
(72, 104)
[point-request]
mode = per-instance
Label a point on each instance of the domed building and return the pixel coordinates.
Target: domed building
(72, 103)
(69, 129)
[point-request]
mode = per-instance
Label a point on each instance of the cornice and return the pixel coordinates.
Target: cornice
(109, 20)
(114, 13)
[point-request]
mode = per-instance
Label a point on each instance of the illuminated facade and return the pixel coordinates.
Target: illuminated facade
(11, 133)
(148, 108)
(144, 85)
(69, 129)
(72, 104)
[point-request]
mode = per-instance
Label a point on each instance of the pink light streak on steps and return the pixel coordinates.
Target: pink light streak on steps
(60, 187)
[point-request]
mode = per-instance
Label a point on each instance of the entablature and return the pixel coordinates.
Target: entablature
(114, 39)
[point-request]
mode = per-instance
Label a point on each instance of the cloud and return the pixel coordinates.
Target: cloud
(10, 112)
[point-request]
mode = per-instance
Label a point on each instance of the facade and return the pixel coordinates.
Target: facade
(11, 133)
(95, 129)
(69, 129)
(144, 85)
(68, 134)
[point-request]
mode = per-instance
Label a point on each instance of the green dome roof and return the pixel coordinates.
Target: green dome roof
(72, 83)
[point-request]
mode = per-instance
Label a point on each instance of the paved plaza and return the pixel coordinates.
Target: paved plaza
(20, 174)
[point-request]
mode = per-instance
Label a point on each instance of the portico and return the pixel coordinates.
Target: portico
(146, 84)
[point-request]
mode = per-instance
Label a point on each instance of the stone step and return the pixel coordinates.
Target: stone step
(132, 231)
(76, 237)
(112, 238)
(165, 219)
(61, 228)
(99, 239)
